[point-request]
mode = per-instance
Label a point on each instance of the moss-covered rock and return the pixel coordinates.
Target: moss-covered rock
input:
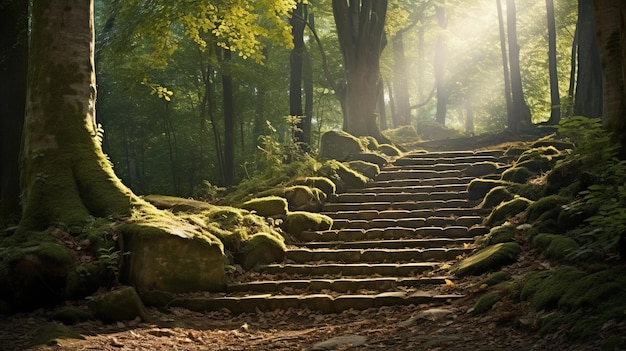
(370, 142)
(478, 188)
(486, 302)
(481, 169)
(339, 145)
(560, 145)
(371, 157)
(262, 248)
(299, 221)
(548, 207)
(537, 165)
(488, 259)
(563, 174)
(344, 177)
(556, 247)
(172, 255)
(389, 150)
(70, 315)
(177, 204)
(322, 183)
(496, 196)
(402, 134)
(502, 234)
(538, 152)
(369, 170)
(496, 278)
(507, 210)
(517, 174)
(118, 305)
(545, 289)
(268, 206)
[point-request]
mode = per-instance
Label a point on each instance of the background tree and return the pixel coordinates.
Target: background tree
(360, 29)
(520, 110)
(13, 69)
(588, 95)
(555, 98)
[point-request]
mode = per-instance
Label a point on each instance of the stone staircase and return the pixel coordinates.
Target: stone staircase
(388, 244)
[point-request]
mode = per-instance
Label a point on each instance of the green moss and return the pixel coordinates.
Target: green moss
(553, 287)
(595, 289)
(262, 248)
(344, 177)
(496, 196)
(502, 234)
(368, 169)
(517, 174)
(70, 315)
(537, 165)
(389, 150)
(370, 142)
(507, 210)
(267, 206)
(486, 302)
(548, 207)
(339, 145)
(496, 278)
(538, 152)
(299, 221)
(372, 157)
(177, 204)
(531, 284)
(488, 259)
(478, 188)
(402, 134)
(322, 183)
(554, 144)
(556, 247)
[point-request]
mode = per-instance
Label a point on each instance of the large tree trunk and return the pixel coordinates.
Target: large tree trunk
(610, 23)
(360, 28)
(439, 64)
(521, 112)
(555, 99)
(295, 68)
(65, 176)
(505, 67)
(588, 95)
(13, 69)
(402, 105)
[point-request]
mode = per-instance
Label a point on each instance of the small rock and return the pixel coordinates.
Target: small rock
(433, 314)
(330, 344)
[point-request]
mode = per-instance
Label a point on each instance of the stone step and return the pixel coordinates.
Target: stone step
(412, 188)
(400, 205)
(406, 214)
(304, 255)
(466, 221)
(341, 285)
(391, 243)
(350, 269)
(417, 174)
(414, 160)
(399, 197)
(392, 233)
(323, 303)
(419, 182)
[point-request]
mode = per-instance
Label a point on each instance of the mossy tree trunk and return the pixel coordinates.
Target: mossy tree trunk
(66, 178)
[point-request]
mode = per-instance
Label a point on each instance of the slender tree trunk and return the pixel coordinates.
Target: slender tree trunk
(555, 110)
(572, 74)
(521, 111)
(229, 122)
(360, 28)
(13, 70)
(440, 57)
(402, 106)
(588, 96)
(505, 67)
(65, 176)
(295, 63)
(307, 79)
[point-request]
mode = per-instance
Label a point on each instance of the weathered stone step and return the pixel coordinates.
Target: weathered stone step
(392, 233)
(417, 174)
(399, 197)
(341, 285)
(390, 243)
(441, 166)
(323, 303)
(406, 214)
(466, 221)
(412, 188)
(381, 255)
(400, 205)
(350, 269)
(455, 154)
(419, 182)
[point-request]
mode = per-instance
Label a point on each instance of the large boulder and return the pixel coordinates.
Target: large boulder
(339, 145)
(299, 221)
(267, 206)
(171, 255)
(488, 259)
(262, 248)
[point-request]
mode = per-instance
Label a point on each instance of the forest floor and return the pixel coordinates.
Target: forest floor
(422, 327)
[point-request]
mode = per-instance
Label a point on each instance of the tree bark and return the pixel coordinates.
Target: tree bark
(65, 176)
(610, 24)
(555, 99)
(440, 57)
(505, 67)
(296, 65)
(228, 173)
(360, 28)
(521, 112)
(13, 70)
(588, 96)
